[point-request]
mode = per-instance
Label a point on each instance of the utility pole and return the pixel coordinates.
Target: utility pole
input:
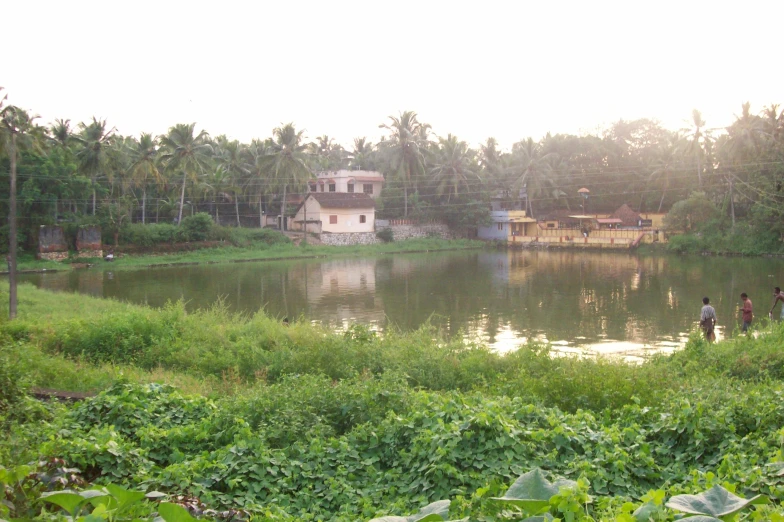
(12, 232)
(305, 222)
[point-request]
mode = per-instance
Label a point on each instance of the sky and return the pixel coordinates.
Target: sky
(506, 69)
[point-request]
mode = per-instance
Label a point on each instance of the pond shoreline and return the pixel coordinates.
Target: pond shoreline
(441, 246)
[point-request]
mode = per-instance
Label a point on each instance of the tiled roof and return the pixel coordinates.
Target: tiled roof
(628, 216)
(343, 200)
(375, 179)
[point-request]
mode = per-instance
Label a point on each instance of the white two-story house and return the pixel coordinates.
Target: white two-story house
(348, 182)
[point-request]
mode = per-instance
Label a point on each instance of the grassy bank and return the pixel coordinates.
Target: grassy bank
(256, 252)
(300, 423)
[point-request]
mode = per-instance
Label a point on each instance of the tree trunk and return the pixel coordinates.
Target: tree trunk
(217, 215)
(283, 210)
(182, 197)
(55, 210)
(261, 214)
(93, 198)
(405, 201)
(144, 202)
(237, 209)
(732, 204)
(12, 234)
(699, 167)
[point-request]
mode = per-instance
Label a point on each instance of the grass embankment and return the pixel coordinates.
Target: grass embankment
(744, 239)
(255, 252)
(300, 423)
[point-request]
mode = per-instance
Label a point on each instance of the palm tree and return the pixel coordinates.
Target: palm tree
(664, 163)
(285, 162)
(95, 140)
(16, 131)
(744, 134)
(144, 166)
(257, 182)
(61, 132)
(490, 158)
(697, 138)
(359, 158)
(230, 157)
(220, 184)
(185, 152)
(773, 122)
(406, 146)
(454, 166)
(531, 169)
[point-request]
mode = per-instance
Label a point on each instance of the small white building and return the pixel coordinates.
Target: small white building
(336, 212)
(348, 182)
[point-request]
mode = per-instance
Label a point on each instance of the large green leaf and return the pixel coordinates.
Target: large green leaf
(644, 512)
(174, 513)
(66, 499)
(716, 502)
(547, 517)
(533, 492)
(124, 497)
(435, 512)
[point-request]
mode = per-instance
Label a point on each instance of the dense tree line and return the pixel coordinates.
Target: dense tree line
(89, 172)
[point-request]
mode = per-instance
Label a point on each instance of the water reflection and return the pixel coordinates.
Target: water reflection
(610, 303)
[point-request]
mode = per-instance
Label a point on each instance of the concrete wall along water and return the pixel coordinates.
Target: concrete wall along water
(401, 230)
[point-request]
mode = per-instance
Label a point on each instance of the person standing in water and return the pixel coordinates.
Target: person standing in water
(777, 296)
(747, 311)
(708, 320)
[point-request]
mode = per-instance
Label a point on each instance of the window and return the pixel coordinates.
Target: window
(362, 218)
(322, 188)
(550, 225)
(350, 188)
(333, 220)
(312, 188)
(332, 187)
(500, 226)
(367, 188)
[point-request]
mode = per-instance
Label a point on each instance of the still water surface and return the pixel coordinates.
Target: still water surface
(611, 303)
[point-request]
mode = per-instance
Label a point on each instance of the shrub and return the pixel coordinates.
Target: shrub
(148, 235)
(196, 227)
(386, 235)
(256, 236)
(13, 387)
(690, 214)
(684, 244)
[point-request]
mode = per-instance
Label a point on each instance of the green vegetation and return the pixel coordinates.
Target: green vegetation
(299, 423)
(88, 173)
(707, 229)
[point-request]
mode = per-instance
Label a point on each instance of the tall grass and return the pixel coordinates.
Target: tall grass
(80, 342)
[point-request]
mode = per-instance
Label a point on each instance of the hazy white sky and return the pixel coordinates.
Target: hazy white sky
(508, 69)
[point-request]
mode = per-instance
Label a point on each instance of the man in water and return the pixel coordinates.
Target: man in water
(777, 296)
(747, 312)
(708, 320)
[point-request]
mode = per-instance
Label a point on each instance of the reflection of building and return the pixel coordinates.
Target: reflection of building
(342, 291)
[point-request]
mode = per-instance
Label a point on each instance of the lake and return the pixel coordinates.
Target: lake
(611, 303)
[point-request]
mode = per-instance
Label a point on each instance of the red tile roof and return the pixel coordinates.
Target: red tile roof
(343, 200)
(628, 216)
